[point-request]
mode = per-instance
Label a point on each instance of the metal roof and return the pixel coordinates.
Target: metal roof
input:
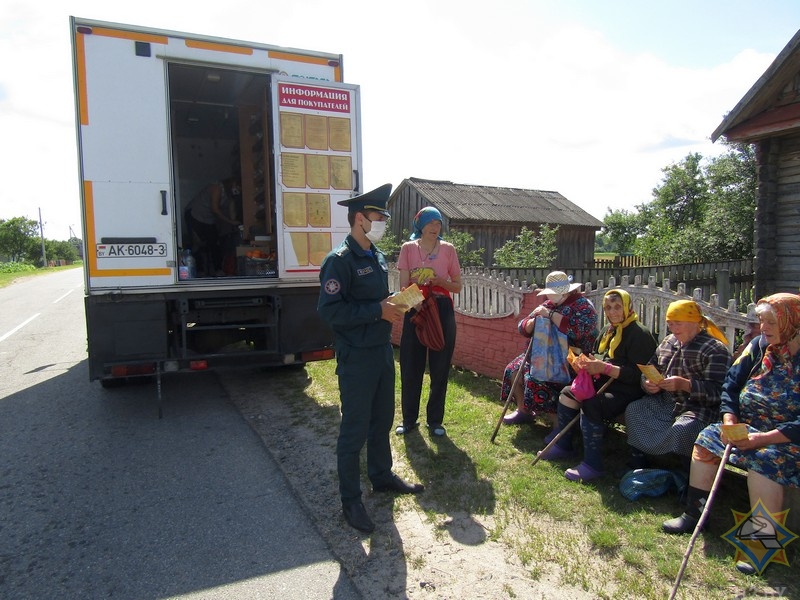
(463, 202)
(762, 96)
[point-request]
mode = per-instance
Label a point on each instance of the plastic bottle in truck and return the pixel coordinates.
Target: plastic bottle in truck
(210, 171)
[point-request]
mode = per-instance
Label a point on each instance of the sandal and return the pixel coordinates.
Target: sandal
(554, 452)
(583, 472)
(518, 418)
(437, 430)
(404, 429)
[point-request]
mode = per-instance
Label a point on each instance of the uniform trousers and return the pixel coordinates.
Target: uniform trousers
(366, 388)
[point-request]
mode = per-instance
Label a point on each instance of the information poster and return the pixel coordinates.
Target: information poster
(317, 168)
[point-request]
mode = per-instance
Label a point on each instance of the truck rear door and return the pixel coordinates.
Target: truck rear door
(124, 157)
(318, 163)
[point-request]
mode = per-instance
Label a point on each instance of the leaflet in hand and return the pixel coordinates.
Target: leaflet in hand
(409, 297)
(735, 432)
(651, 373)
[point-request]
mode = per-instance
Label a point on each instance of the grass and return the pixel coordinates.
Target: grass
(600, 542)
(7, 279)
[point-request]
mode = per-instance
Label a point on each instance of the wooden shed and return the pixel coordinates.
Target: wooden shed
(769, 117)
(494, 215)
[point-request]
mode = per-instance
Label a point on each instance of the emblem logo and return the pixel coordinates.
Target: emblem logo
(332, 286)
(760, 537)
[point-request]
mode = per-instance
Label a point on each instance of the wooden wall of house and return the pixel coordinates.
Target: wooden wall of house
(404, 208)
(575, 244)
(777, 237)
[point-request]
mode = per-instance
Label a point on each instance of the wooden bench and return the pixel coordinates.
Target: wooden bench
(650, 304)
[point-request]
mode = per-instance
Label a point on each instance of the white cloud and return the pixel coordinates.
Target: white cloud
(507, 97)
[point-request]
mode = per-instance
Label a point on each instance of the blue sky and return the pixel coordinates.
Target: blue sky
(588, 98)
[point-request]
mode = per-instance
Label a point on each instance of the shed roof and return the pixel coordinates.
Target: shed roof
(759, 112)
(464, 202)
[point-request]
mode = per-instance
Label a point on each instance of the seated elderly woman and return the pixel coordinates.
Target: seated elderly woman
(575, 317)
(624, 344)
(692, 362)
(762, 390)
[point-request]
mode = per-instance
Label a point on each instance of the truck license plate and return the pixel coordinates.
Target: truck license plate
(131, 250)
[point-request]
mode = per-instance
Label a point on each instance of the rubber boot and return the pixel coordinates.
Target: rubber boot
(696, 500)
(565, 415)
(593, 435)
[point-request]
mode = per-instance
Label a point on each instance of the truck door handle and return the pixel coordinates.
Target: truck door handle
(358, 183)
(163, 202)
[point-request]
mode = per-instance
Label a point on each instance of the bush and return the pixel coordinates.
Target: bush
(16, 267)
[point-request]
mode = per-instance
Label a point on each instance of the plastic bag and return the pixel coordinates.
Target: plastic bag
(549, 353)
(582, 386)
(429, 325)
(651, 482)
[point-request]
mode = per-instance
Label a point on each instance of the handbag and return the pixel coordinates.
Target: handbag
(549, 352)
(428, 324)
(582, 386)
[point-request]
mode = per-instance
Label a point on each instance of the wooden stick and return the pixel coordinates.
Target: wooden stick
(569, 426)
(701, 521)
(511, 393)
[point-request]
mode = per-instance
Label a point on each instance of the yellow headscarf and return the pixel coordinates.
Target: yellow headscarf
(613, 334)
(689, 311)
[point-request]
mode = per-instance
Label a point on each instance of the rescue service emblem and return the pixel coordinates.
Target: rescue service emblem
(332, 286)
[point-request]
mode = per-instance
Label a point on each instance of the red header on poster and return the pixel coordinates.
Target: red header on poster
(311, 97)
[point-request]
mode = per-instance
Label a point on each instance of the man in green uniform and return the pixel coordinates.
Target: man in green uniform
(355, 301)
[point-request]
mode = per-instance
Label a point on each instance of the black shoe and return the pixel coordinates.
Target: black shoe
(395, 484)
(683, 524)
(746, 568)
(357, 517)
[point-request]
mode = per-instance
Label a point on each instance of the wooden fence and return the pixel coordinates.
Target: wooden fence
(727, 279)
(491, 295)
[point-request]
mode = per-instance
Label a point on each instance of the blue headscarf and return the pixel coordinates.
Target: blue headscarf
(422, 218)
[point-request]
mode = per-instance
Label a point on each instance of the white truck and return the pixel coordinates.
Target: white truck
(160, 115)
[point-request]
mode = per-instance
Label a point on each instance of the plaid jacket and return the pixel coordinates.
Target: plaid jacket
(704, 361)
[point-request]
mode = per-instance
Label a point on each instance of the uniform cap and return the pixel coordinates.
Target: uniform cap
(375, 200)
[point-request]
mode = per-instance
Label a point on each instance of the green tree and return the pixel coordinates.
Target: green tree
(530, 249)
(701, 211)
(390, 243)
(621, 229)
(17, 236)
(461, 240)
(728, 225)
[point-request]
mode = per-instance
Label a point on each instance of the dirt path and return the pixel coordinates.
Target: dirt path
(412, 553)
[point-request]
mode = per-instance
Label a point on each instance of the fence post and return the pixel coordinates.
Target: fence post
(723, 286)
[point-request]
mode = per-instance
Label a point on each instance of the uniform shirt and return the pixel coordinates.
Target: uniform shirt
(353, 282)
(704, 361)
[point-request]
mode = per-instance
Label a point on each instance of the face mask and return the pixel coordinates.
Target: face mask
(376, 231)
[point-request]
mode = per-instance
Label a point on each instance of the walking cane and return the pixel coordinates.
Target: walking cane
(511, 393)
(701, 521)
(561, 433)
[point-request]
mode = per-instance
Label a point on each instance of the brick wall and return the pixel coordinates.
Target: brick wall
(486, 346)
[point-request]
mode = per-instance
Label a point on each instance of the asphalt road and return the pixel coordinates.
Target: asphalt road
(101, 499)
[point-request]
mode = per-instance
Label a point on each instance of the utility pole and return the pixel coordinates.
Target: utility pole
(41, 234)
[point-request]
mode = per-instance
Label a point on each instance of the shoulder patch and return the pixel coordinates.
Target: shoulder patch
(332, 286)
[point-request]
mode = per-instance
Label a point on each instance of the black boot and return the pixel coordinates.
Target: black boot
(696, 500)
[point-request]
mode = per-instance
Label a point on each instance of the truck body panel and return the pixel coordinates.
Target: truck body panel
(162, 117)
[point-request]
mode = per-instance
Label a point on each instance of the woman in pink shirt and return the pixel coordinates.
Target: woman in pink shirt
(432, 264)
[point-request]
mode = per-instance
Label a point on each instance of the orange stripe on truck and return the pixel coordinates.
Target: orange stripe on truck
(219, 47)
(130, 35)
(312, 60)
(91, 258)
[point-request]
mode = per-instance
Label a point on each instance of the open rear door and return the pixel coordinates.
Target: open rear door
(124, 157)
(317, 163)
